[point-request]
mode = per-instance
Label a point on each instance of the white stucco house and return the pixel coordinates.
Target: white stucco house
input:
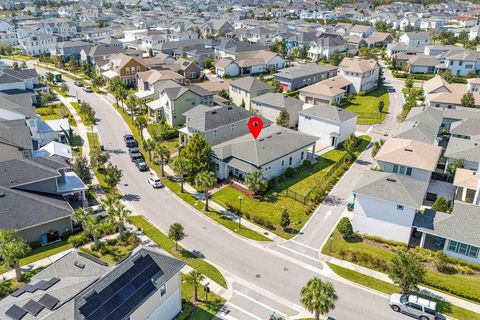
(330, 124)
(363, 74)
(415, 39)
(386, 204)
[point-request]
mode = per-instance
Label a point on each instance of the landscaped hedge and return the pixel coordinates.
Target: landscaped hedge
(461, 289)
(416, 76)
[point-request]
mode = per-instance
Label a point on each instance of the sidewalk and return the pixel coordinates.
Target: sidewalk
(224, 211)
(383, 277)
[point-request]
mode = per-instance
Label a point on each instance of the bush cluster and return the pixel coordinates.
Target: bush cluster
(364, 259)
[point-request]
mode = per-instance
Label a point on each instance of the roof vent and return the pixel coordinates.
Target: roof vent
(391, 180)
(229, 108)
(214, 112)
(2, 195)
(408, 150)
(79, 264)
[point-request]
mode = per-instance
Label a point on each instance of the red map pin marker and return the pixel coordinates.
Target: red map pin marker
(255, 125)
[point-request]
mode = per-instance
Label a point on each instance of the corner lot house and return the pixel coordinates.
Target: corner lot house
(386, 203)
(363, 74)
(270, 105)
(123, 66)
(300, 76)
(331, 125)
(275, 150)
(243, 90)
(80, 286)
(328, 91)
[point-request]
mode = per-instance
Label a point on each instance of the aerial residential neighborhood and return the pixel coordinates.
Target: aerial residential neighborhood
(239, 160)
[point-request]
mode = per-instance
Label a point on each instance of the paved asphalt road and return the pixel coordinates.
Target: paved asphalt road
(261, 277)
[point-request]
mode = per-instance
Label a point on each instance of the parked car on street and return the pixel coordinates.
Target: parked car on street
(135, 156)
(414, 306)
(141, 165)
(133, 150)
(155, 182)
(78, 83)
(128, 136)
(87, 89)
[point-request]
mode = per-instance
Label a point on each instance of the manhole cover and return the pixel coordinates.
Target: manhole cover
(285, 269)
(266, 233)
(257, 275)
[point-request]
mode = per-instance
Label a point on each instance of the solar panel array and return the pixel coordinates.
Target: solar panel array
(124, 293)
(33, 307)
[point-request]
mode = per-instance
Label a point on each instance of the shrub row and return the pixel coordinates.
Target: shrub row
(458, 288)
(416, 76)
(364, 259)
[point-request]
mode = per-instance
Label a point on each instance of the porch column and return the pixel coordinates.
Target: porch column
(422, 239)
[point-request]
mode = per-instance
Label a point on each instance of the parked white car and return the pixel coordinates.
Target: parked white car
(414, 306)
(155, 182)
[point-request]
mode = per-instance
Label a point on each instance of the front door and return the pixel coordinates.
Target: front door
(334, 141)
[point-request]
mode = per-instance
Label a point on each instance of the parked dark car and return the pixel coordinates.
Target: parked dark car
(78, 83)
(141, 165)
(131, 144)
(135, 156)
(133, 150)
(128, 136)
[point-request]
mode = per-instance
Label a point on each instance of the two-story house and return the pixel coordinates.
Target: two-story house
(38, 45)
(363, 74)
(123, 66)
(296, 77)
(415, 39)
(242, 91)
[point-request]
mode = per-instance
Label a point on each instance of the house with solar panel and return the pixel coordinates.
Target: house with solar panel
(78, 286)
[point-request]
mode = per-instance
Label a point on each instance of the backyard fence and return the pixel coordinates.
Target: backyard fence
(370, 115)
(295, 196)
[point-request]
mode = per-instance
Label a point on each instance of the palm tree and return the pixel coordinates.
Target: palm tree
(207, 181)
(377, 146)
(318, 297)
(181, 166)
(80, 216)
(349, 146)
(163, 153)
(149, 145)
(119, 215)
(140, 123)
(12, 249)
(194, 278)
(132, 104)
(94, 229)
(120, 94)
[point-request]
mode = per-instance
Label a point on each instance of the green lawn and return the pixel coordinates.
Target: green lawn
(40, 253)
(93, 140)
(388, 288)
(8, 286)
(188, 257)
(273, 204)
(113, 250)
(218, 217)
(367, 105)
(461, 285)
(172, 145)
(56, 111)
(203, 311)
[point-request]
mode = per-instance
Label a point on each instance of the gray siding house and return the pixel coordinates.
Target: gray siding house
(303, 75)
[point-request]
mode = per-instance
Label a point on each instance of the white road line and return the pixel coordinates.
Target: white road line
(369, 129)
(299, 253)
(303, 245)
(242, 310)
(259, 303)
(327, 214)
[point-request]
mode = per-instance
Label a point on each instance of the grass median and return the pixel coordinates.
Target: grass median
(388, 288)
(168, 245)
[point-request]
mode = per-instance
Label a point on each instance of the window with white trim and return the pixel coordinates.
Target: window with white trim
(463, 249)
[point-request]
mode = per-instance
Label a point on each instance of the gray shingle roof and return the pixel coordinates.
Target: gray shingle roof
(420, 131)
(73, 280)
(272, 143)
(468, 150)
(329, 112)
(278, 101)
(251, 84)
(203, 118)
(304, 70)
(467, 127)
(392, 187)
(19, 172)
(16, 133)
(22, 209)
(461, 225)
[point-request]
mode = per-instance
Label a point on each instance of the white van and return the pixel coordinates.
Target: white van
(414, 306)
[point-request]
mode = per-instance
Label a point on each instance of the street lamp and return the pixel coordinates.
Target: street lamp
(240, 198)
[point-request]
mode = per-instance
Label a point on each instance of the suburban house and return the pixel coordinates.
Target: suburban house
(39, 196)
(188, 69)
(325, 47)
(38, 45)
(150, 81)
(270, 105)
(98, 55)
(251, 62)
(361, 31)
(294, 78)
(226, 68)
(15, 140)
(80, 286)
(379, 39)
(386, 204)
(416, 38)
(243, 90)
(216, 27)
(217, 124)
(331, 125)
(174, 100)
(123, 66)
(67, 49)
(441, 94)
(329, 91)
(363, 74)
(275, 150)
